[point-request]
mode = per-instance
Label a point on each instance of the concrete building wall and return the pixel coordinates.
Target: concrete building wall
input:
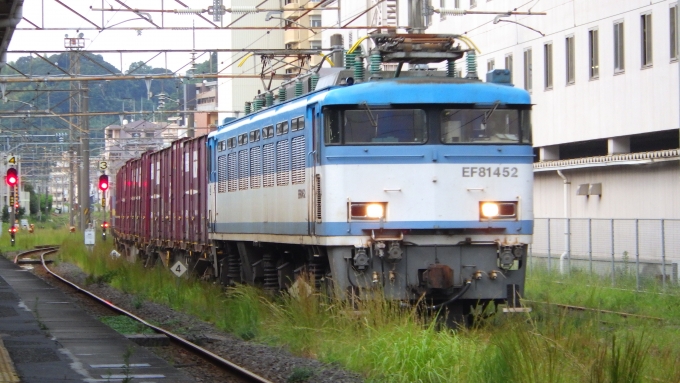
(639, 99)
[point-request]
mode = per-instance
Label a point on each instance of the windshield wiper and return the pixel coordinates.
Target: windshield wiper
(493, 109)
(371, 119)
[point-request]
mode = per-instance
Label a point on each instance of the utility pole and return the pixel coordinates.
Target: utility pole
(84, 192)
(74, 106)
(75, 44)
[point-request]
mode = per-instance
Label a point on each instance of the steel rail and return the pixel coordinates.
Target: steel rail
(581, 308)
(183, 342)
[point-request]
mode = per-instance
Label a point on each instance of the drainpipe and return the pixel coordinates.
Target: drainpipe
(565, 257)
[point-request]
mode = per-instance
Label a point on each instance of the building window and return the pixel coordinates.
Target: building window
(548, 65)
(619, 62)
(646, 36)
(315, 21)
(528, 69)
(508, 64)
(473, 3)
(674, 32)
(593, 53)
(490, 64)
(315, 44)
(569, 43)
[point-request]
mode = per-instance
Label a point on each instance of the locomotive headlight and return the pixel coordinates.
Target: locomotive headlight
(375, 210)
(489, 209)
(506, 210)
(367, 210)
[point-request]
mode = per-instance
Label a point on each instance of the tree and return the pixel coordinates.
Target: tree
(5, 214)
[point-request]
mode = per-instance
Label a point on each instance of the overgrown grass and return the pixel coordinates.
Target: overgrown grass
(125, 325)
(387, 343)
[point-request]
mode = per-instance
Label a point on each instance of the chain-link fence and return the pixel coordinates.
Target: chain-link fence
(644, 249)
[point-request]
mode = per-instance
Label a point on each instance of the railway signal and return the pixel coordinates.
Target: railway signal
(12, 233)
(105, 225)
(12, 177)
(103, 182)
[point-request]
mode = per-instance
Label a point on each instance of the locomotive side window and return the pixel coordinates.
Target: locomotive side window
(255, 135)
(282, 128)
(297, 124)
(483, 126)
(243, 139)
(231, 142)
(268, 131)
(221, 145)
(375, 126)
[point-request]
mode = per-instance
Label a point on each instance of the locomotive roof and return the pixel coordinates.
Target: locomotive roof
(400, 91)
(428, 90)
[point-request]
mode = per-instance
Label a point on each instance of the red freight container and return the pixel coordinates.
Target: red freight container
(162, 201)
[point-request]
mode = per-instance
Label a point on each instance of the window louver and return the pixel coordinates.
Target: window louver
(255, 168)
(298, 163)
(268, 169)
(222, 174)
(243, 169)
(317, 197)
(232, 176)
(282, 163)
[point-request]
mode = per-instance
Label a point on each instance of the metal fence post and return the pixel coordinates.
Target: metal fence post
(663, 254)
(549, 254)
(613, 262)
(637, 256)
(590, 245)
(568, 246)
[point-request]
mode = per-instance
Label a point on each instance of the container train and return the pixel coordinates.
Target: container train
(418, 184)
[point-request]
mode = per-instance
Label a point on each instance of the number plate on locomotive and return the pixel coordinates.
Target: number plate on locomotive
(490, 171)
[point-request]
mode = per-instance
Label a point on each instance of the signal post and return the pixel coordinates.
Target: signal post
(103, 187)
(12, 180)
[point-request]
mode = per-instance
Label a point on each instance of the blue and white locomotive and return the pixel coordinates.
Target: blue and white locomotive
(418, 185)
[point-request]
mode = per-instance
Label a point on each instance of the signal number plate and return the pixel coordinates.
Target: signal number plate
(480, 171)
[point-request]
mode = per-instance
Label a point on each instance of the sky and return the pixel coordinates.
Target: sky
(51, 14)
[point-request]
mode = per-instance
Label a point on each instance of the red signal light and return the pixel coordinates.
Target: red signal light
(13, 229)
(105, 225)
(12, 177)
(103, 182)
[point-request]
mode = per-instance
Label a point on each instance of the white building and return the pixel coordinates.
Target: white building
(604, 80)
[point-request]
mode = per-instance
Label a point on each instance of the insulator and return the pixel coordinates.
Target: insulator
(471, 59)
(314, 79)
(358, 68)
(374, 63)
(234, 268)
(282, 94)
(243, 9)
(258, 104)
(452, 12)
(271, 276)
(349, 60)
(298, 88)
(268, 99)
(451, 68)
(247, 108)
(189, 11)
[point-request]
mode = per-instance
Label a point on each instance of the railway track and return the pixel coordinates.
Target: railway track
(601, 311)
(245, 375)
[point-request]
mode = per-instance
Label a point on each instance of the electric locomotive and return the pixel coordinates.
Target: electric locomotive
(415, 183)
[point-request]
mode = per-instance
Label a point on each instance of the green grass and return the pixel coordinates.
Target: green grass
(125, 325)
(387, 343)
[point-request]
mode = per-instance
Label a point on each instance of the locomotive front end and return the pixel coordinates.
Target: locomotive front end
(430, 199)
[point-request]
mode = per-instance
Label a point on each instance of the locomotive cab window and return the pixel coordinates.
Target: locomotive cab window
(375, 126)
(297, 124)
(492, 125)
